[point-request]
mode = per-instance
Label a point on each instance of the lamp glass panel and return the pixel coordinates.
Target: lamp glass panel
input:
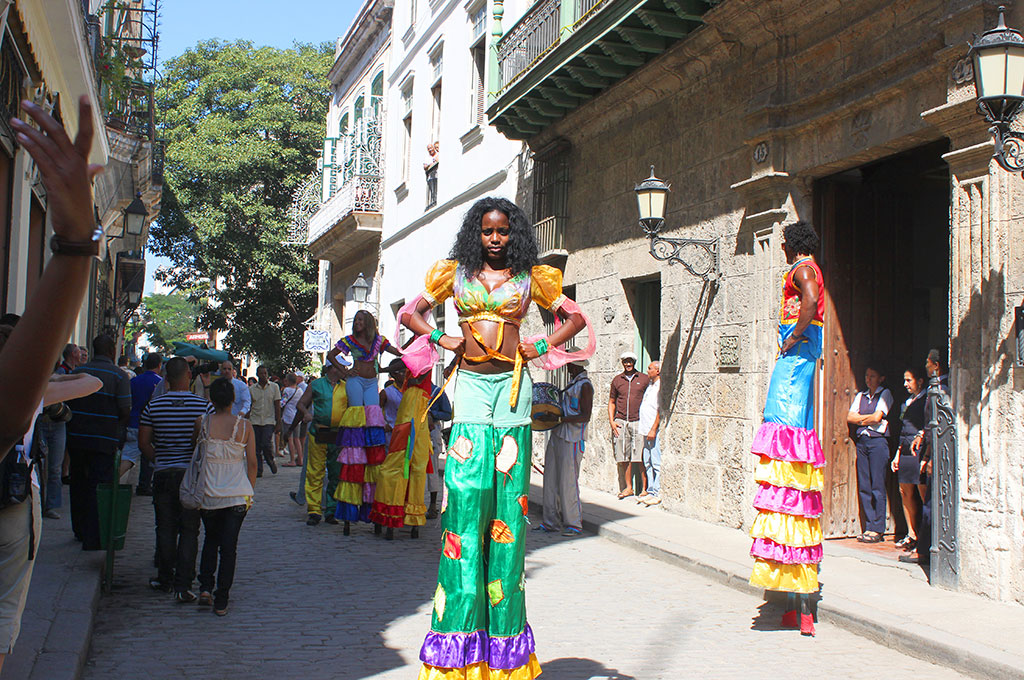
(134, 223)
(1015, 71)
(990, 72)
(658, 203)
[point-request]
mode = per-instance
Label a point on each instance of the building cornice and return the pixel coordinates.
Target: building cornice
(374, 17)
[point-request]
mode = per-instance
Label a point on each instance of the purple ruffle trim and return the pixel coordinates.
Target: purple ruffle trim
(375, 417)
(458, 650)
(352, 456)
(768, 549)
(361, 437)
(788, 501)
(368, 492)
(788, 443)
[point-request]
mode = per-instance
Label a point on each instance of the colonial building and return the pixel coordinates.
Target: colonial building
(859, 116)
(53, 53)
(344, 233)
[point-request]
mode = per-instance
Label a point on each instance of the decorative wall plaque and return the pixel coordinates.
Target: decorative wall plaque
(761, 152)
(729, 351)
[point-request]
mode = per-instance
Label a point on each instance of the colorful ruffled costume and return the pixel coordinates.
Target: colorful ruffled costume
(787, 530)
(402, 478)
(362, 442)
(479, 629)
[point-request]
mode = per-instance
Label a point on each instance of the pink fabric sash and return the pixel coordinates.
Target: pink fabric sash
(788, 443)
(767, 549)
(556, 357)
(788, 501)
(420, 355)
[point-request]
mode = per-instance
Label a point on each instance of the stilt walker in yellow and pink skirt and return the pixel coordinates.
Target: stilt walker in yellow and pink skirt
(787, 530)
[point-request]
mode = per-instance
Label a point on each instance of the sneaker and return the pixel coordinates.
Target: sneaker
(313, 519)
(545, 529)
(651, 500)
(205, 599)
(272, 464)
(185, 597)
(51, 514)
(571, 531)
(157, 584)
(330, 519)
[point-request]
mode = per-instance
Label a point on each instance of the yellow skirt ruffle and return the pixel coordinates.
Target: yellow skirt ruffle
(802, 476)
(354, 416)
(791, 530)
(790, 578)
(481, 671)
(349, 492)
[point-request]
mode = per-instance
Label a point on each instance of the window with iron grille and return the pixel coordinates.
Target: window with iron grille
(551, 183)
(478, 97)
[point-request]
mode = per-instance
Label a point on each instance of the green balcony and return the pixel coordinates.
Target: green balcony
(562, 53)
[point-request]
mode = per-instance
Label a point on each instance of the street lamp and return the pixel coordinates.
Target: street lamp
(998, 58)
(360, 289)
(651, 195)
(135, 216)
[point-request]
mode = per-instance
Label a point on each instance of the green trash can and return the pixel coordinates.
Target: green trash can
(105, 495)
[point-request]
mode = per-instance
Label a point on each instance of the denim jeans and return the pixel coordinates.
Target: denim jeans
(221, 527)
(55, 437)
(177, 531)
(652, 464)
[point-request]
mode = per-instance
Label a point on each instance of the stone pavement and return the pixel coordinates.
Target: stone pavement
(311, 603)
(876, 597)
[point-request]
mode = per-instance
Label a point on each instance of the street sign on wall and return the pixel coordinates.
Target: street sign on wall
(201, 336)
(316, 341)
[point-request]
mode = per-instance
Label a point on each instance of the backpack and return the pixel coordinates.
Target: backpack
(192, 489)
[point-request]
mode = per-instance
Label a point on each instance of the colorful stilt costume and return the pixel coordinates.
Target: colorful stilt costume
(362, 443)
(787, 530)
(329, 404)
(398, 500)
(479, 628)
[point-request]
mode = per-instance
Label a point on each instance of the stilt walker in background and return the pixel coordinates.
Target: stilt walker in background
(361, 442)
(326, 396)
(398, 500)
(479, 627)
(787, 530)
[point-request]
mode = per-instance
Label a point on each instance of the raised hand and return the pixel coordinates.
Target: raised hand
(64, 168)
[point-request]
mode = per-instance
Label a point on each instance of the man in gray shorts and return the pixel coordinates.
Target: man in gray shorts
(623, 416)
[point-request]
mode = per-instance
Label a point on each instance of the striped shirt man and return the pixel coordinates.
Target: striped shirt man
(172, 417)
(97, 419)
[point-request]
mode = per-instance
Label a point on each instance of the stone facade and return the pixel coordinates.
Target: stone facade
(743, 117)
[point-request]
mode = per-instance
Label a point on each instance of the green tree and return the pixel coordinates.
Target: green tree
(243, 128)
(166, 318)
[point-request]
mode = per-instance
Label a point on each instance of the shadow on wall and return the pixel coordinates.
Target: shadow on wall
(679, 351)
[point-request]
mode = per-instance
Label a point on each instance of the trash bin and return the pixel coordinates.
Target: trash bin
(105, 497)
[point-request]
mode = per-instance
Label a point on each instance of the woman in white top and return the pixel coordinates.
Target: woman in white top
(228, 474)
(289, 400)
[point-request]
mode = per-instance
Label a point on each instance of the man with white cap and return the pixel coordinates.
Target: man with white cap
(624, 401)
(564, 451)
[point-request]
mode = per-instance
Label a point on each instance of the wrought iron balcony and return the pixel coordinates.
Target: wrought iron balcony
(361, 193)
(562, 53)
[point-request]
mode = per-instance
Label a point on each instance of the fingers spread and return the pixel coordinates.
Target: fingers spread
(53, 130)
(83, 140)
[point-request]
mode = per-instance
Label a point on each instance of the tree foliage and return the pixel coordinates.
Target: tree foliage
(243, 128)
(166, 318)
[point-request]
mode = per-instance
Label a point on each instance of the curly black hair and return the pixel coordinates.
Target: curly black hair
(523, 252)
(801, 238)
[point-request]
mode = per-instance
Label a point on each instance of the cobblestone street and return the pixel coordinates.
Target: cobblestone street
(311, 603)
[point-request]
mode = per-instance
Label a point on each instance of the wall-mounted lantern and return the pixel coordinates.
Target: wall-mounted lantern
(998, 57)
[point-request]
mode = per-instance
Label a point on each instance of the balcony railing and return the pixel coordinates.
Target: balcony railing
(550, 233)
(360, 193)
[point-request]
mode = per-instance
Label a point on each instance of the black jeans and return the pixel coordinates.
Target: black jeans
(264, 445)
(221, 527)
(87, 470)
(177, 531)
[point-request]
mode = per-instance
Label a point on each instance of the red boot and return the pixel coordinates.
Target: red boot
(807, 625)
(790, 620)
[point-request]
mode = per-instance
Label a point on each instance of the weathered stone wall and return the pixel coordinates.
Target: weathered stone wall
(742, 117)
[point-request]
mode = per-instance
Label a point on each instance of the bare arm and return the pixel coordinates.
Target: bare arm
(805, 280)
(68, 387)
(611, 417)
(418, 325)
(573, 324)
(332, 356)
(653, 434)
(146, 442)
(251, 463)
(35, 343)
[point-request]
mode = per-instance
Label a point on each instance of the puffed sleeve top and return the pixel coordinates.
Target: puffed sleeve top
(506, 303)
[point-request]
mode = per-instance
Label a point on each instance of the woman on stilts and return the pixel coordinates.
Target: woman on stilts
(787, 530)
(479, 627)
(362, 443)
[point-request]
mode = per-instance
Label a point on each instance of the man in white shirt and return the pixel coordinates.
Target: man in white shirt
(867, 414)
(650, 419)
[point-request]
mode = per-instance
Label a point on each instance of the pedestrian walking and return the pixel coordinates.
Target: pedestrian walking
(143, 387)
(565, 448)
(868, 415)
(227, 477)
(243, 399)
(627, 392)
(650, 421)
(265, 414)
(479, 624)
(787, 529)
(290, 396)
(165, 437)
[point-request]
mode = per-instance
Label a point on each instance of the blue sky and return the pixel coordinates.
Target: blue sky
(183, 23)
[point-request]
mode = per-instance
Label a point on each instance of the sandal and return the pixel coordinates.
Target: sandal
(623, 494)
(904, 542)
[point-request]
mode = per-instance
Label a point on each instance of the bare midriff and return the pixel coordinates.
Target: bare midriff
(364, 369)
(477, 359)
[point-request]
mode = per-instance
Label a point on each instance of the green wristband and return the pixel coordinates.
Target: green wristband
(541, 346)
(436, 335)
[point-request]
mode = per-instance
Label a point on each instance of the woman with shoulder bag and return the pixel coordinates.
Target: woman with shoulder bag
(228, 474)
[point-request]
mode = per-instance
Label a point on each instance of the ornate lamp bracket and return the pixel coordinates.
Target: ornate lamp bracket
(698, 255)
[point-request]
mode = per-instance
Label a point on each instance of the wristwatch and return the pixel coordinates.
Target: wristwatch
(63, 246)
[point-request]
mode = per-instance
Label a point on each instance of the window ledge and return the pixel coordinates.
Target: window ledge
(409, 35)
(472, 138)
(401, 191)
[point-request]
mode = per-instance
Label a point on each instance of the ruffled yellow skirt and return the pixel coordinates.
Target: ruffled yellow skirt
(481, 671)
(792, 578)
